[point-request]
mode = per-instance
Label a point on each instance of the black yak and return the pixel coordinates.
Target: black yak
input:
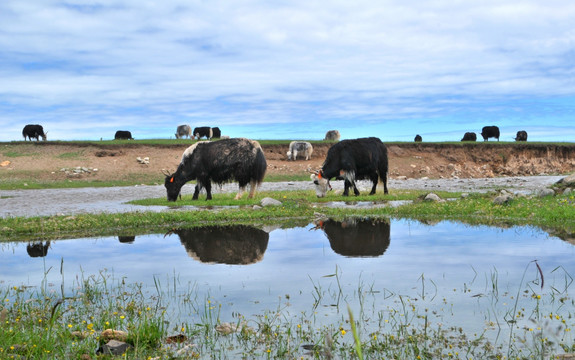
(33, 132)
(123, 135)
(521, 136)
(469, 136)
(202, 131)
(222, 161)
(418, 138)
(216, 132)
(490, 132)
(351, 160)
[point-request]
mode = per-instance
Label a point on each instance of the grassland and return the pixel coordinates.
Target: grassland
(38, 323)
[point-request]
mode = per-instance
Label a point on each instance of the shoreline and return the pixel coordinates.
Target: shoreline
(47, 202)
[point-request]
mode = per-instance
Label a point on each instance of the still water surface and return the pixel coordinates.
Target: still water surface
(457, 270)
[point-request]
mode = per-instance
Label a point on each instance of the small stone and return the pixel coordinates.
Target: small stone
(569, 180)
(432, 197)
(502, 199)
(270, 202)
(546, 192)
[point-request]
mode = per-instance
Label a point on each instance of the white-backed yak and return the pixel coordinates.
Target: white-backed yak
(236, 159)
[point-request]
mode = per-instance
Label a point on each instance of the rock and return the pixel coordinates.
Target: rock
(113, 347)
(567, 191)
(144, 161)
(546, 192)
(432, 197)
(502, 199)
(270, 202)
(569, 180)
(110, 334)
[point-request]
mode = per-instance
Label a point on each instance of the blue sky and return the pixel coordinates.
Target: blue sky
(288, 69)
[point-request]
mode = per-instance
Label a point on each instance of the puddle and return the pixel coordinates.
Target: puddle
(463, 276)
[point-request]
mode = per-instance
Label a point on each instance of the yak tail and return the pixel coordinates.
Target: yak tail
(260, 167)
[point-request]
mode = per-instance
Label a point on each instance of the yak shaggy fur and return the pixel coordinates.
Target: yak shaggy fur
(352, 160)
(222, 161)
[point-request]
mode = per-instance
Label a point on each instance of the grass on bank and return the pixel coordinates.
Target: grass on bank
(555, 214)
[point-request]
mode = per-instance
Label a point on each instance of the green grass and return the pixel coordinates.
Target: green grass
(71, 155)
(13, 154)
(554, 214)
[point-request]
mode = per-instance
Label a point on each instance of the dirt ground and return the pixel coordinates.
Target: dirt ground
(61, 161)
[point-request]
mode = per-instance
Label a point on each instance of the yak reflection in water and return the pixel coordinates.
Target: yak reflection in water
(37, 249)
(357, 237)
(125, 239)
(234, 245)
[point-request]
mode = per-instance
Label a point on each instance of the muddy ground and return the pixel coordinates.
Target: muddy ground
(60, 161)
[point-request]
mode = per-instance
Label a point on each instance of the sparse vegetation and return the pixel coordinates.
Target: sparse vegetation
(37, 323)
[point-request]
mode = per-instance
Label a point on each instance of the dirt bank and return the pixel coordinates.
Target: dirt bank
(60, 161)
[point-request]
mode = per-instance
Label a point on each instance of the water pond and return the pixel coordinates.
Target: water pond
(486, 281)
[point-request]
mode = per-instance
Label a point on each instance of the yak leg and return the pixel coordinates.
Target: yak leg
(374, 179)
(208, 190)
(355, 191)
(384, 178)
(240, 193)
(253, 186)
(346, 185)
(197, 190)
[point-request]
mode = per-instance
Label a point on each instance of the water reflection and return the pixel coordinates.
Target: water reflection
(233, 245)
(466, 269)
(125, 239)
(37, 249)
(357, 237)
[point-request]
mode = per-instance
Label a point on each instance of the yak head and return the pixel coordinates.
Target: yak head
(173, 187)
(322, 184)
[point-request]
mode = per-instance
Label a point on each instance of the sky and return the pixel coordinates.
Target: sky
(288, 69)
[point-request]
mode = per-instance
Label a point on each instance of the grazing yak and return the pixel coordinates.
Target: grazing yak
(469, 136)
(202, 131)
(299, 146)
(221, 161)
(351, 160)
(33, 132)
(183, 131)
(123, 135)
(418, 138)
(490, 132)
(332, 135)
(521, 136)
(216, 132)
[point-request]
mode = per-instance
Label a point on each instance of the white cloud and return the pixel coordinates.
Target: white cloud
(258, 63)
